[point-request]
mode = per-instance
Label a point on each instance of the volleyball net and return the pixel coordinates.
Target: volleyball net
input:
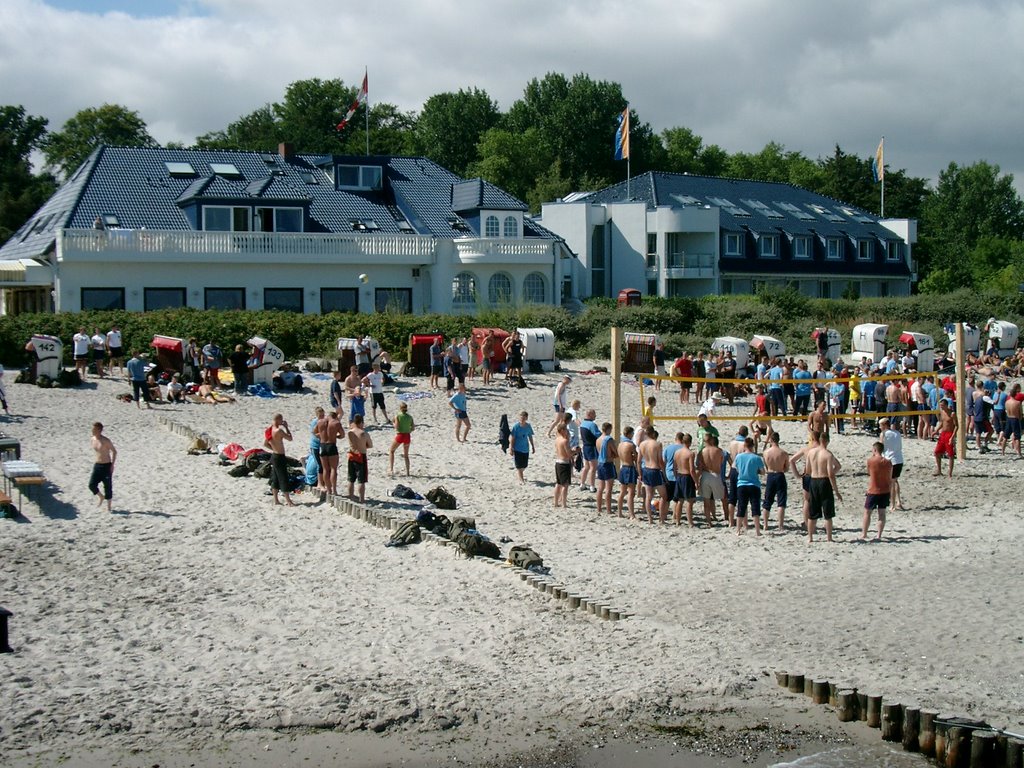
(723, 411)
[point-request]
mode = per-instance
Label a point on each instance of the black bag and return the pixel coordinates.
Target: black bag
(405, 492)
(407, 533)
(504, 433)
(474, 544)
(522, 556)
(239, 470)
(441, 499)
(578, 462)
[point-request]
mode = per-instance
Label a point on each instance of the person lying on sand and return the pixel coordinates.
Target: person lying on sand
(208, 394)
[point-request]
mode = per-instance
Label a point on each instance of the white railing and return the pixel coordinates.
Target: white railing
(275, 244)
(476, 247)
(691, 261)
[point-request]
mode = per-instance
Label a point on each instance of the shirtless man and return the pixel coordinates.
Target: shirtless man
(761, 423)
(879, 486)
(776, 462)
(486, 353)
(279, 432)
(653, 476)
(685, 466)
(801, 474)
(709, 464)
(329, 429)
(627, 470)
(823, 466)
(947, 431)
(103, 467)
(563, 466)
(208, 394)
(606, 454)
(819, 419)
(735, 449)
(358, 444)
(356, 397)
(1011, 430)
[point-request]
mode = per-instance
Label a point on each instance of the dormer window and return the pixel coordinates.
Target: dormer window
(110, 221)
(511, 227)
(491, 227)
(227, 170)
(362, 177)
(364, 225)
(179, 170)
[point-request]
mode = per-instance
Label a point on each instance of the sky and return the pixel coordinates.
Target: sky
(942, 80)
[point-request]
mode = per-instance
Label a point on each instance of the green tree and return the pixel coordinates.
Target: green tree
(257, 130)
(21, 191)
(451, 125)
(512, 161)
(685, 152)
(773, 163)
(969, 203)
(110, 124)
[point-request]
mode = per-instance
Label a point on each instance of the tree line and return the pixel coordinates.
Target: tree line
(555, 139)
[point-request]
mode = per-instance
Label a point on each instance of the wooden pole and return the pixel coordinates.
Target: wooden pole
(808, 685)
(874, 711)
(846, 706)
(911, 728)
(961, 407)
(983, 745)
(782, 678)
(796, 683)
(819, 692)
(957, 746)
(926, 732)
(617, 382)
(892, 721)
(1014, 753)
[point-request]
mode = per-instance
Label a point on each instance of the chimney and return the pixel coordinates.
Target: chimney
(286, 150)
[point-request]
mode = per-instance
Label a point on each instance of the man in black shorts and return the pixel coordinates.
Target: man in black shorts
(824, 492)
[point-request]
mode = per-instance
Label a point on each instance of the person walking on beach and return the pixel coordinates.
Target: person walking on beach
(522, 445)
(137, 373)
(823, 466)
(628, 472)
(358, 469)
(563, 467)
(947, 431)
(893, 443)
(560, 402)
(606, 453)
(458, 404)
(103, 466)
(404, 427)
(274, 442)
(329, 429)
(880, 476)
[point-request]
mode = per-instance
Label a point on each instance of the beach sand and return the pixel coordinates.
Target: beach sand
(198, 620)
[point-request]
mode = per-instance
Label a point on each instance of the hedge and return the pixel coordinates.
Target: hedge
(683, 323)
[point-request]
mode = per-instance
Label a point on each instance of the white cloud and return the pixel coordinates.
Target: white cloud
(939, 79)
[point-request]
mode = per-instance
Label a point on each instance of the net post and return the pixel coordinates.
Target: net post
(616, 373)
(961, 382)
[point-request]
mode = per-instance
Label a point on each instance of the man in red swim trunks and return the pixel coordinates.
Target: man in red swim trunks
(947, 431)
(358, 444)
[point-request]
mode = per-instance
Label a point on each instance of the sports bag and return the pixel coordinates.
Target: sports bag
(407, 533)
(522, 556)
(441, 498)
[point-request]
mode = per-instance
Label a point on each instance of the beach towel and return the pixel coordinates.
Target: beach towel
(260, 390)
(312, 470)
(231, 451)
(407, 396)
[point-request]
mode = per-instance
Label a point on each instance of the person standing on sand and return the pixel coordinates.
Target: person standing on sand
(606, 453)
(404, 427)
(137, 373)
(749, 467)
(358, 469)
(685, 467)
(374, 381)
(487, 355)
(329, 430)
(436, 362)
(628, 473)
(115, 353)
(776, 462)
(522, 444)
(880, 478)
(652, 455)
(103, 467)
(314, 448)
(356, 395)
(560, 402)
(947, 431)
(710, 460)
(458, 404)
(1011, 430)
(590, 433)
(823, 466)
(801, 474)
(81, 343)
(659, 364)
(563, 467)
(277, 433)
(819, 419)
(99, 350)
(893, 443)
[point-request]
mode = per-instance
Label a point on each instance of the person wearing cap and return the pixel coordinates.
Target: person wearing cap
(560, 402)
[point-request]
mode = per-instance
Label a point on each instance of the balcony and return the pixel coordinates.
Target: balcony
(686, 266)
(496, 251)
(154, 245)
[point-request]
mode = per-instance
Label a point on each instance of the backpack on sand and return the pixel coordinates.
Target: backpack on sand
(522, 556)
(441, 499)
(470, 541)
(407, 533)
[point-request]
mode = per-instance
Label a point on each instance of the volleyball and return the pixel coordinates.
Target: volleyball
(364, 278)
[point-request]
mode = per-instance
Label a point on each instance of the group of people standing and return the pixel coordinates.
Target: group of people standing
(466, 356)
(103, 350)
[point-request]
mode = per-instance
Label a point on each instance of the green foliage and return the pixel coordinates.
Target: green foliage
(110, 124)
(451, 125)
(21, 191)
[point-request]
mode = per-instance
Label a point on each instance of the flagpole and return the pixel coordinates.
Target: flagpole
(881, 172)
(366, 74)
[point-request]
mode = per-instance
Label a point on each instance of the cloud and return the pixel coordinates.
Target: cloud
(939, 79)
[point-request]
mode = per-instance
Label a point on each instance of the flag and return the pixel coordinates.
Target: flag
(622, 136)
(878, 163)
(360, 99)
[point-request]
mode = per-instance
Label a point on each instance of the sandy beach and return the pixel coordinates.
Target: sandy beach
(199, 624)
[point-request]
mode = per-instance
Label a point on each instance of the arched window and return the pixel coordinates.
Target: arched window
(533, 289)
(464, 289)
(491, 227)
(511, 227)
(499, 289)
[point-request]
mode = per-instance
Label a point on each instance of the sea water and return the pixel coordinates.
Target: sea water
(877, 756)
